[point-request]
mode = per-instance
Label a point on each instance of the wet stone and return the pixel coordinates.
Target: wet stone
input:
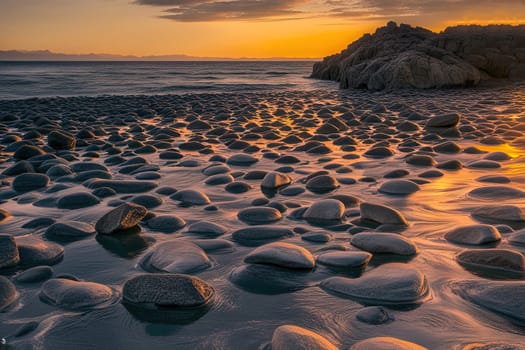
(174, 290)
(166, 223)
(317, 237)
(282, 254)
(392, 283)
(35, 274)
(34, 252)
(293, 337)
(384, 243)
(75, 295)
(497, 193)
(500, 213)
(121, 218)
(259, 215)
(325, 212)
(258, 235)
(77, 201)
(176, 256)
(505, 260)
(399, 187)
(322, 184)
(69, 230)
(191, 197)
(473, 234)
(344, 259)
(30, 182)
(8, 293)
(382, 214)
(385, 343)
(501, 297)
(374, 315)
(206, 228)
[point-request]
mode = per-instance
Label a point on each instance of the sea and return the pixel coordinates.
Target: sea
(19, 80)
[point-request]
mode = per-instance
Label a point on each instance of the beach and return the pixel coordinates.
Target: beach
(349, 213)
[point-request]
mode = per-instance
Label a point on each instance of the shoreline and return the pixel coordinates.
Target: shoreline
(264, 198)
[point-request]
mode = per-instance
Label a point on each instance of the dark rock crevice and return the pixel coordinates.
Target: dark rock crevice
(397, 57)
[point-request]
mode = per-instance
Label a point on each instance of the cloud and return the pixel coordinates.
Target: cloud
(356, 10)
(210, 10)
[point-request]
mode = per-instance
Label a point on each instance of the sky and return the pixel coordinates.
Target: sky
(227, 28)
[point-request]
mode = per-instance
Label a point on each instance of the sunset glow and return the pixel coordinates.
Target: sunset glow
(259, 29)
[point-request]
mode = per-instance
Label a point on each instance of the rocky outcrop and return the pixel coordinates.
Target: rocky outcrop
(397, 57)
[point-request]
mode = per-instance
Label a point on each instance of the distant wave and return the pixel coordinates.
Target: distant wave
(45, 79)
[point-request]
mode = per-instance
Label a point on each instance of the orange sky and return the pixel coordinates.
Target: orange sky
(226, 28)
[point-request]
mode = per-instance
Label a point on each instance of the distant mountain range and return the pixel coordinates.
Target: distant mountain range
(46, 55)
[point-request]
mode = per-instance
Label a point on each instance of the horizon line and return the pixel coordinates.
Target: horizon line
(18, 55)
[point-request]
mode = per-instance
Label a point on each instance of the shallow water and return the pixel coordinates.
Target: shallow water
(50, 79)
(245, 319)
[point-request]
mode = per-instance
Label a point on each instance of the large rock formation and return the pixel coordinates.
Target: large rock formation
(402, 56)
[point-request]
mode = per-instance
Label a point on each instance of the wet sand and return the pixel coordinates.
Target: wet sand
(349, 214)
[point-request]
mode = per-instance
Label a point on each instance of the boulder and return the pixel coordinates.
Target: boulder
(401, 56)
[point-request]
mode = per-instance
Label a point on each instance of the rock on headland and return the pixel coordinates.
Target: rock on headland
(397, 57)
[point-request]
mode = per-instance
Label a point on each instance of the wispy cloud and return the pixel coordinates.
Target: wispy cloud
(357, 10)
(210, 10)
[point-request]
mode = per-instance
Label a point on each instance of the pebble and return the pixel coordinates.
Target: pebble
(473, 234)
(176, 256)
(399, 187)
(322, 184)
(148, 201)
(75, 295)
(496, 259)
(166, 223)
(207, 228)
(9, 256)
(289, 337)
(34, 252)
(237, 187)
(345, 259)
(191, 197)
(8, 293)
(30, 182)
(500, 213)
(173, 290)
(274, 180)
(124, 186)
(121, 218)
(385, 343)
(443, 121)
(384, 243)
(381, 214)
(392, 283)
(497, 193)
(69, 230)
(325, 212)
(317, 237)
(259, 215)
(77, 201)
(374, 315)
(501, 297)
(258, 235)
(35, 274)
(282, 254)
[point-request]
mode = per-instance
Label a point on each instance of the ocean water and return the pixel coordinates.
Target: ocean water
(49, 79)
